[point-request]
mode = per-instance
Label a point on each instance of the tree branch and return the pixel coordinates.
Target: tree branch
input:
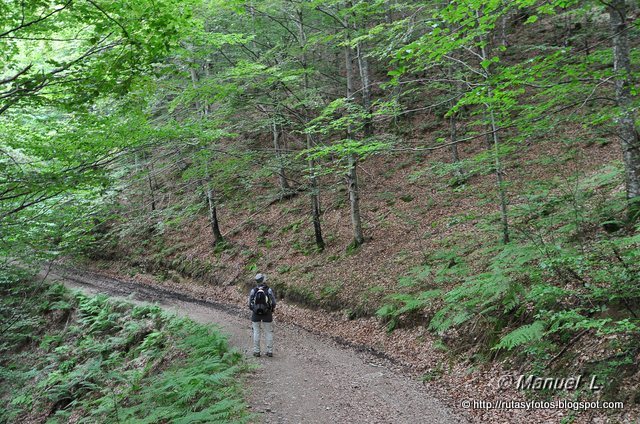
(35, 21)
(104, 12)
(16, 76)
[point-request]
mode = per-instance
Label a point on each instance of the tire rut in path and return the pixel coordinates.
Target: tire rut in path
(310, 379)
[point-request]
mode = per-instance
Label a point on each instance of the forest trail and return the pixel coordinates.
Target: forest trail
(310, 379)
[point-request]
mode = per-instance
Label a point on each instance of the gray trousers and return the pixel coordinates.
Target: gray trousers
(268, 336)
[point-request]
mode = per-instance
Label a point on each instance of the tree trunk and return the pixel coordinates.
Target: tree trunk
(492, 138)
(488, 138)
(348, 62)
(627, 130)
(363, 67)
(210, 192)
(213, 209)
(354, 200)
(352, 175)
(314, 192)
(282, 177)
(455, 156)
(315, 199)
(152, 189)
(213, 216)
(504, 23)
(500, 183)
(195, 78)
(456, 90)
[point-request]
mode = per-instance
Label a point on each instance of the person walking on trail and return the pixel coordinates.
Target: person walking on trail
(262, 302)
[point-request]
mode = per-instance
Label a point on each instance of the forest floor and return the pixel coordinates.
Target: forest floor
(310, 379)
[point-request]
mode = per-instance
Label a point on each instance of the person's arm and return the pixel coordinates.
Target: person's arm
(273, 299)
(251, 294)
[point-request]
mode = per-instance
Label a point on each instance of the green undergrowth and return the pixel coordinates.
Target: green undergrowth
(564, 294)
(68, 357)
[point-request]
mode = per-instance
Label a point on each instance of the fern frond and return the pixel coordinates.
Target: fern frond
(524, 335)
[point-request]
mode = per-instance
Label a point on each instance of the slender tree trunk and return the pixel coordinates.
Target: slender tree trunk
(139, 169)
(282, 177)
(456, 89)
(492, 139)
(208, 107)
(348, 62)
(314, 192)
(504, 22)
(209, 190)
(314, 196)
(455, 157)
(627, 130)
(152, 189)
(352, 175)
(488, 138)
(453, 125)
(315, 199)
(354, 200)
(504, 217)
(363, 67)
(194, 80)
(213, 215)
(252, 11)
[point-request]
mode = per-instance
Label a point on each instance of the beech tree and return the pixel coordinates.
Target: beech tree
(624, 82)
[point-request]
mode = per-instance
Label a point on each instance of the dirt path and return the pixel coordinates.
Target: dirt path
(310, 379)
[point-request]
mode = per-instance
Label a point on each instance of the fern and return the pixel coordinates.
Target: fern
(104, 366)
(449, 317)
(523, 335)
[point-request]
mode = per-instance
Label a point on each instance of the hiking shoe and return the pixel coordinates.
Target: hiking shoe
(257, 354)
(269, 354)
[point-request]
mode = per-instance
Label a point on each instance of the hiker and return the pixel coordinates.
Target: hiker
(262, 302)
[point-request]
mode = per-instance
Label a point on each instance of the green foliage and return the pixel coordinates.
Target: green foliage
(433, 374)
(64, 67)
(339, 115)
(112, 362)
(522, 336)
(399, 306)
(343, 148)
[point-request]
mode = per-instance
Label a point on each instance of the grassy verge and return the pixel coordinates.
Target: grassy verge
(66, 357)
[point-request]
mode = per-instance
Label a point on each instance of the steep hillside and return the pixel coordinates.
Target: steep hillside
(423, 235)
(410, 215)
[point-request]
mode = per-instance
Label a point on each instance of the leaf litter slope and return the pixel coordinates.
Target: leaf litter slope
(310, 379)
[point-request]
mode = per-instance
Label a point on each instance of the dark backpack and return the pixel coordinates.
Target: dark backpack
(261, 301)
